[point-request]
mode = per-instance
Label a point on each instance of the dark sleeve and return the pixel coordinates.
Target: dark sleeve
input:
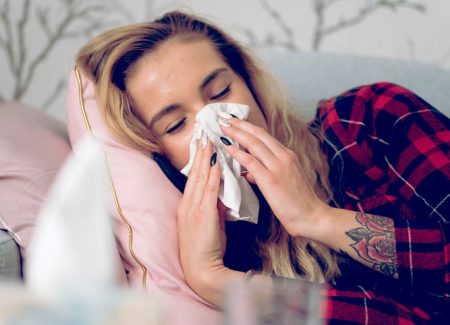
(349, 305)
(361, 306)
(401, 145)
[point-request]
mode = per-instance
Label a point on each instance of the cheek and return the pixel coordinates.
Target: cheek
(177, 148)
(244, 96)
(256, 117)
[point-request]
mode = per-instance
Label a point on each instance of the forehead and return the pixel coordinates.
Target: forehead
(174, 66)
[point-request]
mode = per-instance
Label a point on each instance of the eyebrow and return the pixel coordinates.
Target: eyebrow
(211, 77)
(173, 107)
(166, 110)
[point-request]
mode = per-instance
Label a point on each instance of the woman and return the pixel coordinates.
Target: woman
(356, 198)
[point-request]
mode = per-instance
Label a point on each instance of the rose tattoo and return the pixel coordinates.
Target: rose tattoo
(375, 242)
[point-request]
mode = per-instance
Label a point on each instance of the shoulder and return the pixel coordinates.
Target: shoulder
(367, 103)
(376, 109)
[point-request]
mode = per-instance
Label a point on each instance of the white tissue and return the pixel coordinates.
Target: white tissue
(235, 192)
(73, 250)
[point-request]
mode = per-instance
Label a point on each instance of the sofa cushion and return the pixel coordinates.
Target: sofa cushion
(33, 146)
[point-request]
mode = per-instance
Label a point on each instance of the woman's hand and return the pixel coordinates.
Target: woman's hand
(201, 228)
(277, 172)
(369, 239)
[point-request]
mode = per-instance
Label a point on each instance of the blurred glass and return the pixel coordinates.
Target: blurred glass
(281, 302)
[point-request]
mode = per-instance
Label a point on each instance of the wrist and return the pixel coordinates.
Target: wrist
(326, 226)
(318, 225)
(331, 228)
(211, 285)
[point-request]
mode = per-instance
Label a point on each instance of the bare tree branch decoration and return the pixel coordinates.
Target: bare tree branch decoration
(287, 31)
(270, 39)
(79, 19)
(322, 30)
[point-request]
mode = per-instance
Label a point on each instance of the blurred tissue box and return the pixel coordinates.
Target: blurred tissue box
(73, 250)
(74, 274)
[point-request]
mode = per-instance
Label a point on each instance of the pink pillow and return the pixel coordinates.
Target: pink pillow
(33, 146)
(147, 230)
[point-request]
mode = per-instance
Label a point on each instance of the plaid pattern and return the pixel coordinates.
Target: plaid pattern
(389, 154)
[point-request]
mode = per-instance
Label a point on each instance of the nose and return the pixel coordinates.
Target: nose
(198, 106)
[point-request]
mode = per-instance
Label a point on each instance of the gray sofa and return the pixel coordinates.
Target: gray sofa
(10, 266)
(311, 77)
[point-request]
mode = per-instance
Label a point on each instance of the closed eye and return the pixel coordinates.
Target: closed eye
(225, 91)
(178, 125)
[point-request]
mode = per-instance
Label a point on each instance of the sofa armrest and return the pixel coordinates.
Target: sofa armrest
(10, 265)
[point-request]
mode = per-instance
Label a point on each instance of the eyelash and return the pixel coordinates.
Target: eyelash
(222, 93)
(180, 123)
(176, 126)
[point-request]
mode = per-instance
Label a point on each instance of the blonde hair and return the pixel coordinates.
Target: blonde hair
(110, 57)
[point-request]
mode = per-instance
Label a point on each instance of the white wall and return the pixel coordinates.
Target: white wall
(405, 33)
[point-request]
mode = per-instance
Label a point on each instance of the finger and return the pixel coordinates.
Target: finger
(252, 164)
(258, 132)
(184, 218)
(202, 175)
(190, 184)
(253, 144)
(212, 188)
(222, 209)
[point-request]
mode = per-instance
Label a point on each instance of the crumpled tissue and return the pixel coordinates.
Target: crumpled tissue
(235, 192)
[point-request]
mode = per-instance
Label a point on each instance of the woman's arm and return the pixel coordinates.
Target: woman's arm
(398, 165)
(367, 238)
(279, 176)
(201, 234)
(281, 180)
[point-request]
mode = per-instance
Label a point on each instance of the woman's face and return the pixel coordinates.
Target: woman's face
(173, 83)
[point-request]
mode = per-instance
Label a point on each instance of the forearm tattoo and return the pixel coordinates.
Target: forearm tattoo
(375, 242)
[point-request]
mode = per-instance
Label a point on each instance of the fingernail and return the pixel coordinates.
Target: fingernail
(198, 132)
(224, 123)
(213, 159)
(225, 141)
(204, 141)
(224, 115)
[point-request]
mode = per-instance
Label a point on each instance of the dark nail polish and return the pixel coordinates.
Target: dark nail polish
(234, 115)
(225, 141)
(213, 159)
